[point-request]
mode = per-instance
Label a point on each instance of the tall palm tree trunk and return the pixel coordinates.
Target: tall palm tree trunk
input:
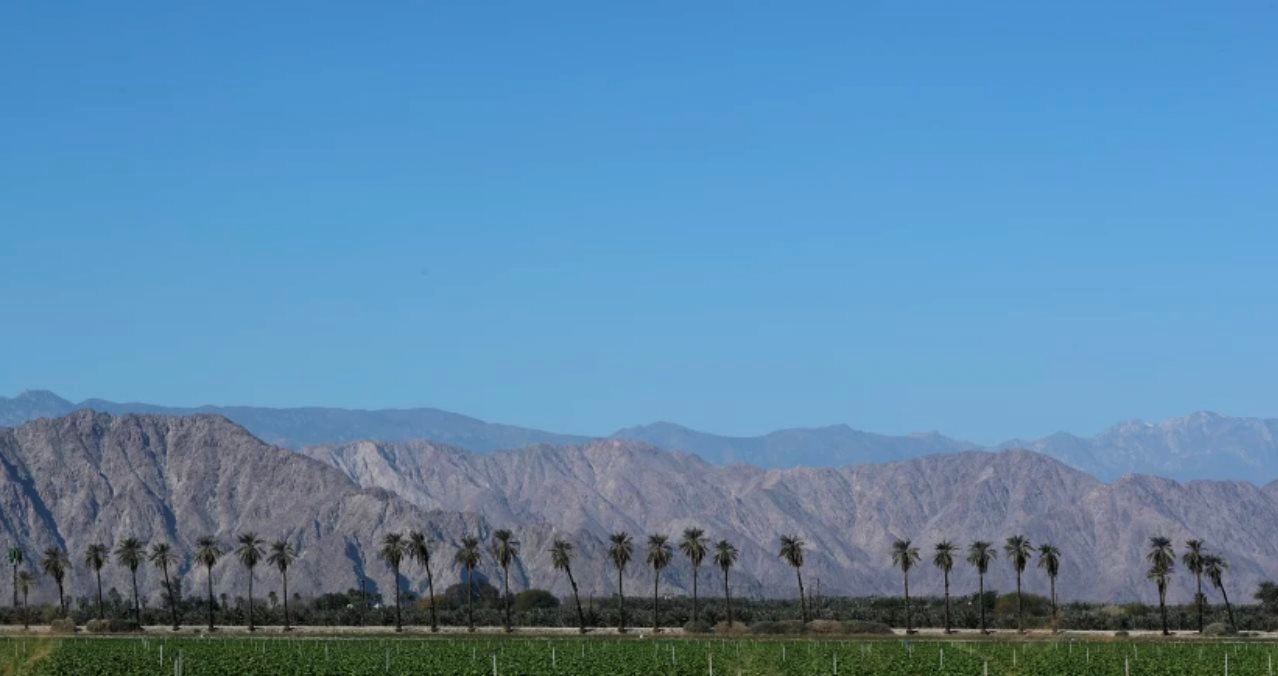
(470, 598)
(62, 599)
(98, 573)
(1055, 627)
(1228, 608)
(1020, 606)
(909, 626)
(26, 611)
(210, 581)
(505, 583)
(1198, 599)
(581, 617)
(947, 602)
(1162, 607)
(980, 600)
(621, 606)
(803, 603)
(137, 607)
(696, 570)
(399, 625)
(15, 586)
(430, 587)
(288, 625)
(172, 598)
(727, 598)
(251, 627)
(656, 580)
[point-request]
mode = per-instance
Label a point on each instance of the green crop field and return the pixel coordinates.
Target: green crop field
(483, 656)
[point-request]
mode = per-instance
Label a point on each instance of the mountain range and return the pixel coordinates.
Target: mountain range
(91, 476)
(1196, 446)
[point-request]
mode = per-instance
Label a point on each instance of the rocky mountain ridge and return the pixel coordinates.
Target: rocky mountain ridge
(1200, 445)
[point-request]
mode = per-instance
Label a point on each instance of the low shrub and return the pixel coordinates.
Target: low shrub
(112, 626)
(62, 625)
(866, 627)
(1217, 629)
(825, 627)
(693, 627)
(736, 628)
(782, 627)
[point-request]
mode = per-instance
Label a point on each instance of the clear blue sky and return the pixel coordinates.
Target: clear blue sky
(991, 219)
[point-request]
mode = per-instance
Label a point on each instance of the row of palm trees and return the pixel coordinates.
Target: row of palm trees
(415, 546)
(131, 553)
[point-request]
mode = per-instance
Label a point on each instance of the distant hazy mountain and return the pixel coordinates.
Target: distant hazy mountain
(1196, 446)
(849, 516)
(816, 447)
(293, 427)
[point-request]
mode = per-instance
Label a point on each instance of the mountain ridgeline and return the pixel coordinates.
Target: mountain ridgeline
(92, 477)
(1196, 446)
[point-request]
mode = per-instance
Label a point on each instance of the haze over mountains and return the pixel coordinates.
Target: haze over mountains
(1196, 446)
(92, 476)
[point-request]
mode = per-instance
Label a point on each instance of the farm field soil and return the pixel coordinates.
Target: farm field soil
(482, 656)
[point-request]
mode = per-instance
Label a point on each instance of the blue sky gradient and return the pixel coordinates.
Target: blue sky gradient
(992, 219)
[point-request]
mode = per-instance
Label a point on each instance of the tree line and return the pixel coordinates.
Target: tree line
(397, 548)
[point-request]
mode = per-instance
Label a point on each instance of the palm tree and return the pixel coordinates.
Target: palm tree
(620, 549)
(95, 556)
(393, 549)
(1195, 551)
(1049, 559)
(15, 560)
(725, 556)
(1214, 567)
(163, 557)
(1019, 551)
(505, 551)
(130, 553)
(943, 558)
(792, 552)
(249, 551)
(207, 552)
(693, 546)
(467, 557)
(419, 551)
(1162, 560)
(659, 556)
(904, 556)
(980, 554)
(56, 564)
(23, 582)
(282, 555)
(561, 558)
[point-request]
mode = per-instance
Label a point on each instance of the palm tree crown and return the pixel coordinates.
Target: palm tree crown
(248, 549)
(1049, 559)
(792, 550)
(1018, 550)
(980, 554)
(282, 555)
(904, 555)
(725, 555)
(1161, 557)
(693, 545)
(561, 555)
(55, 563)
(620, 549)
(943, 555)
(659, 551)
(207, 551)
(95, 556)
